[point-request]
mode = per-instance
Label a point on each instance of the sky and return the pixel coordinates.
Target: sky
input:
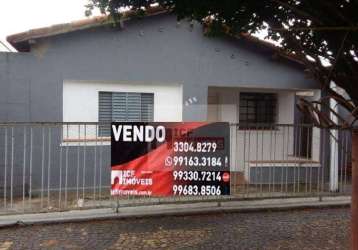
(21, 15)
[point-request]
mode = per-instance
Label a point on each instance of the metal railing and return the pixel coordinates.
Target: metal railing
(289, 160)
(60, 166)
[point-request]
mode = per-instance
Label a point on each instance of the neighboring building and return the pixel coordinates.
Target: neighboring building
(156, 69)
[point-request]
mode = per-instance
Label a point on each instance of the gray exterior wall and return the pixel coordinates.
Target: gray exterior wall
(152, 50)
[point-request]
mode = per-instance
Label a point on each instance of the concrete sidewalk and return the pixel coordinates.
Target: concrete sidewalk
(174, 209)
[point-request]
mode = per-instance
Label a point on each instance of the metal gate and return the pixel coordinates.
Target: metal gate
(61, 166)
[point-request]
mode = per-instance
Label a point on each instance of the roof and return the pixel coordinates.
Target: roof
(21, 41)
(278, 50)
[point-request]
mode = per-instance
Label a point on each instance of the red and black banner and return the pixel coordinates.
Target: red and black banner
(165, 159)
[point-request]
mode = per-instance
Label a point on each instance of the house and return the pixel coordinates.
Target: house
(157, 69)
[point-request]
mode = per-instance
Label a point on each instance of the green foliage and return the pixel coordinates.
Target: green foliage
(316, 28)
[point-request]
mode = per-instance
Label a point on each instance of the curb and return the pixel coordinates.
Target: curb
(160, 210)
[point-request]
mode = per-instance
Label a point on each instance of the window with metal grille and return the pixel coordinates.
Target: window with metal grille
(124, 107)
(257, 110)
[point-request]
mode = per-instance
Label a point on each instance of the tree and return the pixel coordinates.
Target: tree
(317, 32)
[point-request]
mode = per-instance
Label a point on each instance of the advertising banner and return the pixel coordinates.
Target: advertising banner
(167, 159)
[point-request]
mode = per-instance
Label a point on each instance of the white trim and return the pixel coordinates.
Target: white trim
(333, 169)
(80, 99)
(80, 103)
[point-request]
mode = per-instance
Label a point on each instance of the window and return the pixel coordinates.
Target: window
(257, 110)
(124, 106)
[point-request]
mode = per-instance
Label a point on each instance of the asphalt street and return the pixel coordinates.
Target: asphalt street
(303, 229)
